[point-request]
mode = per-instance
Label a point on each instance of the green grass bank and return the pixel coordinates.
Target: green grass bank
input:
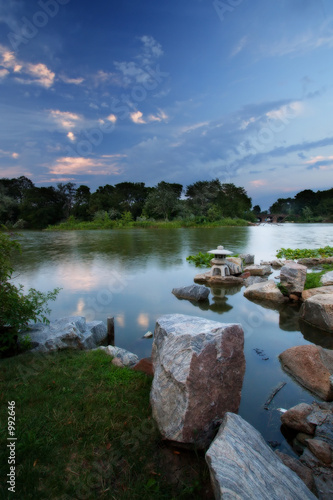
(84, 430)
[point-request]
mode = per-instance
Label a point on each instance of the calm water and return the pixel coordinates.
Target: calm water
(129, 274)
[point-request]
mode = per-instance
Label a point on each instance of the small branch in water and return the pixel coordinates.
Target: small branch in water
(273, 394)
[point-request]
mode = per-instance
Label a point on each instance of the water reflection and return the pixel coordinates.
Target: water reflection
(316, 336)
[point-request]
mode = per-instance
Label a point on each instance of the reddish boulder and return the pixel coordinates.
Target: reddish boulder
(312, 367)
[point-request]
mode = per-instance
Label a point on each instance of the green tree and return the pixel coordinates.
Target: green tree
(256, 210)
(233, 201)
(163, 201)
(81, 202)
(16, 308)
(202, 195)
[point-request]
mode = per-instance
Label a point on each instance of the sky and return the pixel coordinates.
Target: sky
(110, 91)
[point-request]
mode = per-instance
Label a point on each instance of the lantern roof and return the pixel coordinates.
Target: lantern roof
(220, 250)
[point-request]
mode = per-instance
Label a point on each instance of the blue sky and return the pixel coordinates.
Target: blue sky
(105, 92)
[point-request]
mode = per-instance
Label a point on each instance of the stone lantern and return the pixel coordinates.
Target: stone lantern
(219, 265)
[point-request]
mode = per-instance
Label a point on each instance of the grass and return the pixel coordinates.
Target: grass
(73, 224)
(84, 431)
(313, 278)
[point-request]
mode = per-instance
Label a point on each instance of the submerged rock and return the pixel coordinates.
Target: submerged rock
(265, 291)
(192, 292)
(312, 367)
(72, 332)
(243, 467)
(199, 367)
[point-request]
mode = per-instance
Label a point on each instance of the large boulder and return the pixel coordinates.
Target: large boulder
(199, 367)
(321, 290)
(327, 279)
(265, 291)
(192, 292)
(235, 265)
(318, 311)
(242, 466)
(312, 367)
(315, 261)
(256, 270)
(251, 280)
(72, 332)
(292, 277)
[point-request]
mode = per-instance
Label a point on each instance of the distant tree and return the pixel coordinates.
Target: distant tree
(163, 201)
(202, 195)
(81, 202)
(42, 206)
(234, 201)
(131, 197)
(256, 209)
(102, 199)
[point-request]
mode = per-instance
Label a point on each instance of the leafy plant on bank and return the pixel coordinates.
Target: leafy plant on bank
(302, 253)
(200, 259)
(17, 309)
(313, 278)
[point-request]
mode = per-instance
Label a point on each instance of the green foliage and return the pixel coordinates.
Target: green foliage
(200, 259)
(303, 253)
(17, 309)
(283, 289)
(313, 278)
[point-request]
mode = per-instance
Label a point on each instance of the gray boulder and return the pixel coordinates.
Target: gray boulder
(318, 311)
(327, 279)
(243, 467)
(247, 258)
(251, 280)
(292, 277)
(192, 292)
(126, 358)
(235, 265)
(306, 294)
(72, 332)
(258, 270)
(276, 263)
(265, 291)
(199, 367)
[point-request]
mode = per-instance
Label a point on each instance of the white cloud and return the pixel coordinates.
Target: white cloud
(90, 166)
(112, 118)
(65, 119)
(71, 136)
(239, 47)
(3, 73)
(189, 128)
(161, 116)
(40, 73)
(72, 81)
(136, 117)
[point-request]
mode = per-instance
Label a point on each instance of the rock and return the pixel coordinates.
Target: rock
(297, 418)
(242, 466)
(276, 263)
(117, 362)
(72, 332)
(315, 455)
(199, 367)
(301, 470)
(251, 280)
(321, 450)
(258, 270)
(306, 294)
(192, 292)
(247, 258)
(145, 365)
(312, 367)
(218, 280)
(318, 311)
(235, 265)
(292, 277)
(126, 358)
(266, 291)
(302, 437)
(148, 335)
(327, 279)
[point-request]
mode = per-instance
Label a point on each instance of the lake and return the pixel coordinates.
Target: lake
(129, 274)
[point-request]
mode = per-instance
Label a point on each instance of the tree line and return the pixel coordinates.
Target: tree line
(24, 205)
(307, 206)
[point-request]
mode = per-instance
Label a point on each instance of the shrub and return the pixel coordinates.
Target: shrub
(16, 308)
